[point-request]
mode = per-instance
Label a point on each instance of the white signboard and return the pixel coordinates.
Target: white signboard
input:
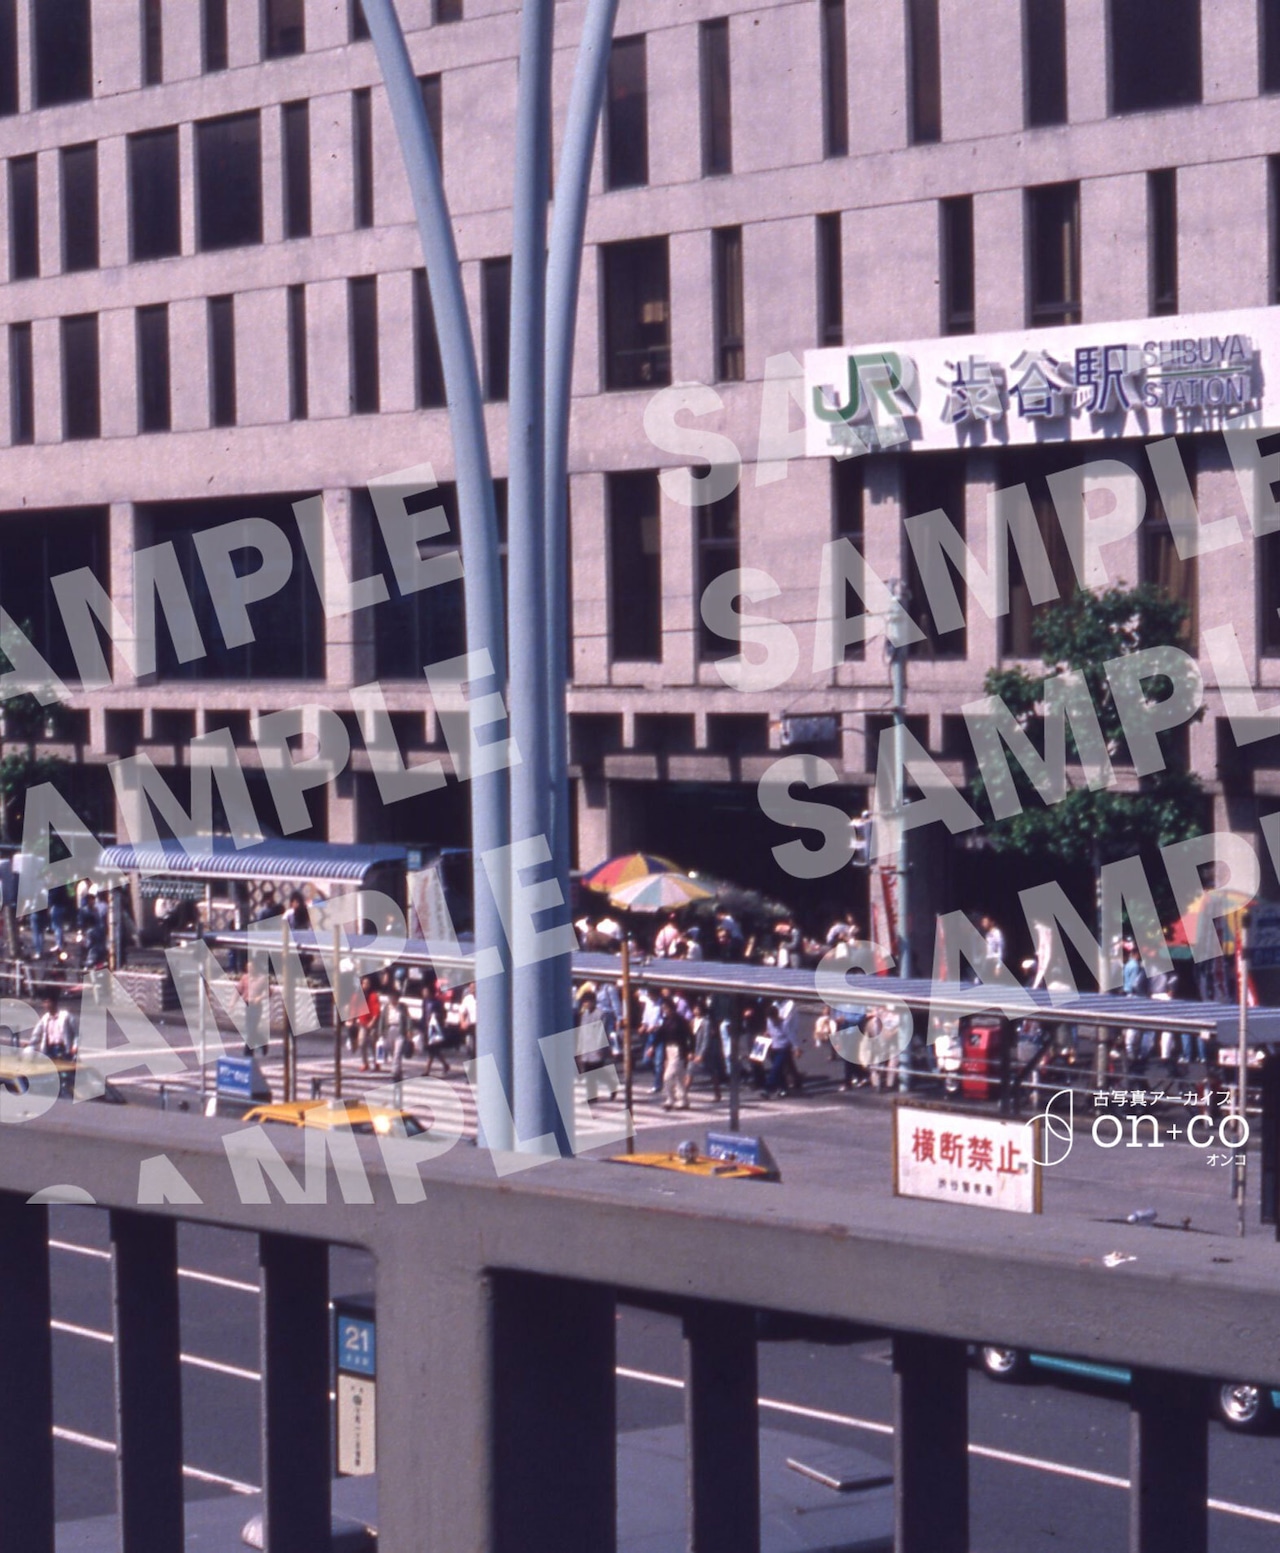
(1151, 377)
(357, 1454)
(950, 1156)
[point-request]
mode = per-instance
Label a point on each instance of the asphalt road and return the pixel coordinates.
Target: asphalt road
(1048, 1467)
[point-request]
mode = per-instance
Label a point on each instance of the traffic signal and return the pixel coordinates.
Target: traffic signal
(860, 850)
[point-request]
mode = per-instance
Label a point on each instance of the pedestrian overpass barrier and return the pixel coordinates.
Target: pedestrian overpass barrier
(496, 1292)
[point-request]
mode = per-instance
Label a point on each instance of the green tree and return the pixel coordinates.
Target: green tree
(1081, 635)
(23, 721)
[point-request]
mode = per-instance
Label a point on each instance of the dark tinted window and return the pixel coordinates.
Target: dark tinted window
(64, 51)
(1155, 54)
(297, 169)
(155, 229)
(1162, 215)
(635, 568)
(362, 156)
(153, 368)
(933, 482)
(429, 626)
(359, 25)
(830, 280)
(718, 553)
(35, 547)
(637, 313)
(726, 249)
(81, 399)
(283, 28)
(287, 626)
(299, 403)
(24, 219)
(1269, 64)
(433, 105)
(495, 301)
(835, 79)
(1053, 246)
(428, 372)
(717, 114)
(847, 483)
(215, 34)
(1046, 61)
(446, 11)
(365, 395)
(152, 42)
(229, 181)
(222, 361)
(80, 207)
(957, 265)
(22, 397)
(626, 124)
(8, 56)
(926, 71)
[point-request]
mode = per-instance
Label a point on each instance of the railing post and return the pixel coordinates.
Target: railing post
(26, 1413)
(554, 1426)
(1168, 1464)
(295, 1393)
(722, 1422)
(433, 1384)
(144, 1302)
(930, 1444)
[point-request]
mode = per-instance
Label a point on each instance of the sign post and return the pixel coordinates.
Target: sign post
(944, 1154)
(355, 1356)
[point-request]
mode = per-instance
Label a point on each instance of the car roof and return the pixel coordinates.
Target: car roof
(328, 1114)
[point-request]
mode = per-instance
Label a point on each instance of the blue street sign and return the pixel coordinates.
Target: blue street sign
(357, 1346)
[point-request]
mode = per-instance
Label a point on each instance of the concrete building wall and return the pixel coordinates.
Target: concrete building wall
(886, 191)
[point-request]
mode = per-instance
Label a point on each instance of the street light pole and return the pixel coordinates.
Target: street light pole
(482, 576)
(897, 648)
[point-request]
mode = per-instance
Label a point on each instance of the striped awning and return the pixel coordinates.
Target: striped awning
(217, 857)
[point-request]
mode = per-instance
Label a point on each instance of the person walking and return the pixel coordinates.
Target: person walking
(676, 1042)
(396, 1035)
(55, 1033)
(367, 1025)
(254, 988)
(708, 1049)
(433, 1035)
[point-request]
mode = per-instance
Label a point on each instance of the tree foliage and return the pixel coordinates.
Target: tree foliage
(1081, 635)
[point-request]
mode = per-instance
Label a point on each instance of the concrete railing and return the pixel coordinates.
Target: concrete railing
(496, 1294)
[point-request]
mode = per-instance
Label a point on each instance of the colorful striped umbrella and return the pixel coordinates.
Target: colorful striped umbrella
(627, 867)
(659, 892)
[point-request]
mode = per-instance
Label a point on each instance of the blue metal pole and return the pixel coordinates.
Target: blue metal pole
(482, 572)
(564, 268)
(536, 973)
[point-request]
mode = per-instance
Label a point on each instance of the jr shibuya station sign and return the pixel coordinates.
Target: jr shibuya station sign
(1152, 377)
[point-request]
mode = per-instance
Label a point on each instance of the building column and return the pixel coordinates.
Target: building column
(1168, 1464)
(295, 1393)
(144, 1297)
(722, 1420)
(930, 1444)
(554, 1423)
(26, 1421)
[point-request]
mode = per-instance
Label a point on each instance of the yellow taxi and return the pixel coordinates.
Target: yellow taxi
(23, 1071)
(352, 1116)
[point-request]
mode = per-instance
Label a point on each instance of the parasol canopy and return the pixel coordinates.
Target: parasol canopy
(659, 892)
(627, 867)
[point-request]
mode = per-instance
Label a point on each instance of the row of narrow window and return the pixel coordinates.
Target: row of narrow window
(1154, 60)
(228, 184)
(930, 482)
(62, 41)
(81, 362)
(635, 289)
